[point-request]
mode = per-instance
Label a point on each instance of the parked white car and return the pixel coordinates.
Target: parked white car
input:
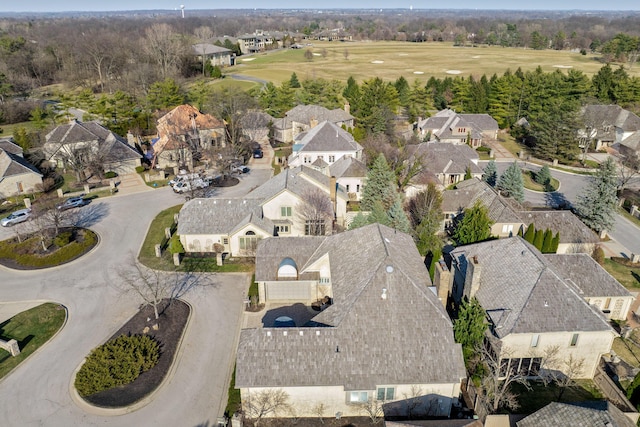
(187, 185)
(184, 178)
(16, 217)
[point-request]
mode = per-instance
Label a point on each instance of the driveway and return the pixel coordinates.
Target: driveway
(38, 391)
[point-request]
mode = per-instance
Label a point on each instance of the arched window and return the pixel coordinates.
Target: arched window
(250, 233)
(287, 269)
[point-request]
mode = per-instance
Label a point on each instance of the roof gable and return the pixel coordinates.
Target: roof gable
(328, 137)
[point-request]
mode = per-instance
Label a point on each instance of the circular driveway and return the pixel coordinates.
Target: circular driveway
(38, 391)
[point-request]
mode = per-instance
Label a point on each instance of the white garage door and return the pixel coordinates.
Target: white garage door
(287, 291)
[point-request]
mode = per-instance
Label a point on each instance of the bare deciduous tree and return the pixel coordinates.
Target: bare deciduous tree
(266, 402)
(373, 409)
(315, 211)
(628, 168)
(559, 370)
(165, 46)
(319, 410)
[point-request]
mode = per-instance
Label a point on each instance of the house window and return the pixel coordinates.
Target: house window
(574, 340)
(526, 367)
(249, 241)
(386, 393)
(314, 227)
(607, 303)
(282, 229)
(225, 240)
(507, 229)
(347, 188)
(534, 340)
(357, 188)
(325, 280)
(358, 396)
(285, 211)
(332, 159)
(307, 159)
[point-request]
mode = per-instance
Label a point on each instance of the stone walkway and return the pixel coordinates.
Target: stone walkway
(500, 154)
(132, 183)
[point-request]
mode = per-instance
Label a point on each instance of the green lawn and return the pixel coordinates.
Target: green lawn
(8, 130)
(628, 216)
(509, 143)
(629, 277)
(540, 396)
(234, 403)
(627, 350)
(390, 60)
(530, 184)
(31, 328)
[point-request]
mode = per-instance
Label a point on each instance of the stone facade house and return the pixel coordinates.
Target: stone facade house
(273, 209)
(381, 336)
(449, 126)
(327, 142)
(609, 125)
(183, 131)
(17, 175)
(535, 304)
(303, 117)
(215, 55)
(81, 143)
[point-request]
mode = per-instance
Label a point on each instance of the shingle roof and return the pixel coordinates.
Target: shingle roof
(605, 118)
(113, 146)
(299, 180)
(13, 164)
(404, 339)
(589, 278)
(445, 120)
(221, 216)
(306, 113)
(523, 292)
(466, 194)
(444, 157)
(209, 49)
(348, 167)
(580, 414)
(9, 146)
(327, 137)
(571, 229)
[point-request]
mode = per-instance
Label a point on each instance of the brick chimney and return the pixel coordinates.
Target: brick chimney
(313, 123)
(443, 280)
(472, 281)
(332, 192)
(347, 107)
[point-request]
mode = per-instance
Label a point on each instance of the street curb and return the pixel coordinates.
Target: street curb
(64, 323)
(97, 410)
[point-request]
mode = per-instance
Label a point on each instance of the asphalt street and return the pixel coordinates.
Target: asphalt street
(571, 184)
(39, 391)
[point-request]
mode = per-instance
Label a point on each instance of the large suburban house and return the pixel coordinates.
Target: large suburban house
(326, 142)
(380, 338)
(449, 126)
(609, 125)
(302, 118)
(506, 220)
(17, 175)
(575, 236)
(234, 226)
(351, 175)
(78, 143)
(538, 306)
(215, 55)
(445, 163)
(259, 41)
(183, 131)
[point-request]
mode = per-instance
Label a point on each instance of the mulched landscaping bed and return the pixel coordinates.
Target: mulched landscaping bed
(172, 322)
(229, 181)
(35, 249)
(313, 422)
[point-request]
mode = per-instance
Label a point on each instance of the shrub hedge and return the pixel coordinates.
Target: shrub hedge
(117, 362)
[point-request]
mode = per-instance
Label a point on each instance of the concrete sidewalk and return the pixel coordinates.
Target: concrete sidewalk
(131, 183)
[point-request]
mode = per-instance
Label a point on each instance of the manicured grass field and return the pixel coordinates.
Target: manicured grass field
(629, 277)
(390, 60)
(530, 184)
(156, 235)
(31, 328)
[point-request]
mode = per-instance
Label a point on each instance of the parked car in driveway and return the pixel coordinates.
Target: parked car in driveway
(183, 178)
(187, 185)
(73, 202)
(239, 169)
(257, 154)
(16, 217)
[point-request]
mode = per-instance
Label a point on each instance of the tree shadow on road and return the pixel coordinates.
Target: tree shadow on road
(557, 200)
(89, 215)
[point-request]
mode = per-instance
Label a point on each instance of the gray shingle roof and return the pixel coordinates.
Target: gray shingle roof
(9, 146)
(328, 137)
(406, 338)
(466, 194)
(221, 216)
(580, 414)
(348, 167)
(298, 180)
(445, 120)
(306, 113)
(523, 292)
(13, 164)
(444, 157)
(209, 49)
(591, 279)
(571, 229)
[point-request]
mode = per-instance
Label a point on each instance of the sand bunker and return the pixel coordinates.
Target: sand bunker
(563, 66)
(317, 54)
(453, 72)
(418, 72)
(403, 54)
(377, 62)
(475, 57)
(248, 59)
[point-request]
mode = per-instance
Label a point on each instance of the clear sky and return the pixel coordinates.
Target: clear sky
(110, 5)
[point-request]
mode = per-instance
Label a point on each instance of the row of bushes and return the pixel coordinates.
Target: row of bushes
(65, 252)
(544, 241)
(117, 362)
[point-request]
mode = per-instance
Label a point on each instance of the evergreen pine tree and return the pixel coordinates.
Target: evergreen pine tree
(397, 218)
(547, 242)
(555, 243)
(596, 205)
(475, 225)
(511, 183)
(520, 234)
(380, 185)
(293, 81)
(490, 174)
(467, 173)
(543, 176)
(539, 240)
(530, 234)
